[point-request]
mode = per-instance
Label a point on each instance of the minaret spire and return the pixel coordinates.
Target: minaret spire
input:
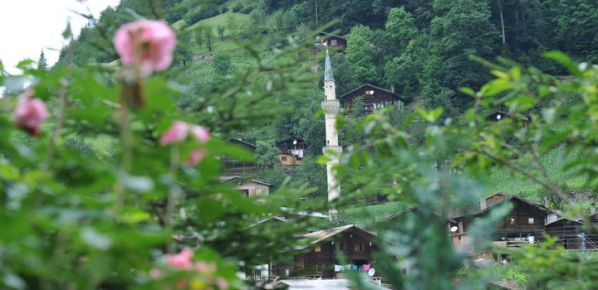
(332, 149)
(328, 76)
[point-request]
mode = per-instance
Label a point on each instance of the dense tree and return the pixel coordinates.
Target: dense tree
(364, 54)
(400, 29)
(460, 29)
(575, 25)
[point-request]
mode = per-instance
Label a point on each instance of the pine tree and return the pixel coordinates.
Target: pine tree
(42, 63)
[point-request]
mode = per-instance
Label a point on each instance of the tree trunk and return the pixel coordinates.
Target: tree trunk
(502, 22)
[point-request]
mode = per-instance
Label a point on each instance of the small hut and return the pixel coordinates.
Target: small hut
(292, 151)
(569, 233)
(249, 187)
(333, 41)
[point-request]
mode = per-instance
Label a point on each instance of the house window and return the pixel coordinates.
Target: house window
(283, 158)
(341, 246)
(318, 249)
(358, 247)
(369, 92)
(333, 42)
(530, 221)
(512, 220)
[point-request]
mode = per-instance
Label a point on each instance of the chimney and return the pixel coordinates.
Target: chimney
(392, 88)
(482, 203)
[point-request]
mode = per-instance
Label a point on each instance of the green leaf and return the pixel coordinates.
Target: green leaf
(467, 91)
(26, 64)
(432, 115)
(565, 60)
(495, 87)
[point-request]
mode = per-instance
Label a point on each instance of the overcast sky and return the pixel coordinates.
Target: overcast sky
(28, 26)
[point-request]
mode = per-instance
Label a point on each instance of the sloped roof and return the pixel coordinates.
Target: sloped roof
(268, 219)
(372, 86)
(508, 197)
(564, 220)
(231, 178)
(322, 235)
(326, 34)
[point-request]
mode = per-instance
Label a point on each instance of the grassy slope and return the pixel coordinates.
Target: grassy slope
(220, 20)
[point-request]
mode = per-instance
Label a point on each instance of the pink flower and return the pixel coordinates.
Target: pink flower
(179, 131)
(222, 284)
(196, 156)
(182, 260)
(146, 44)
(200, 133)
(176, 133)
(30, 113)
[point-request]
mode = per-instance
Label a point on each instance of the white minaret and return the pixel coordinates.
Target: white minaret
(332, 149)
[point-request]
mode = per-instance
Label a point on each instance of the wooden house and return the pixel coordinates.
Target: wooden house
(568, 231)
(524, 224)
(372, 97)
(292, 151)
(249, 187)
(234, 168)
(332, 41)
(320, 257)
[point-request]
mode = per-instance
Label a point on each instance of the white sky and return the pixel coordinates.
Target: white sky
(28, 26)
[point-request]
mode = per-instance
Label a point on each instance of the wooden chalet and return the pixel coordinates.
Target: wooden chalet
(333, 41)
(319, 260)
(523, 225)
(568, 231)
(292, 151)
(234, 168)
(373, 97)
(251, 188)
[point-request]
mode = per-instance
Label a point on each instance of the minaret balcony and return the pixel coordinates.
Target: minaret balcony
(331, 106)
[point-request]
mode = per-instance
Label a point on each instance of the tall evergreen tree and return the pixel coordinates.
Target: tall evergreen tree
(42, 63)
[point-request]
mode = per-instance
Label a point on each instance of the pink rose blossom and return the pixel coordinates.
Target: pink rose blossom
(176, 133)
(200, 133)
(182, 260)
(146, 44)
(179, 131)
(30, 113)
(196, 156)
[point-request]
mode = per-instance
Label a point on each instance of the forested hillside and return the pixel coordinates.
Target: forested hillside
(421, 48)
